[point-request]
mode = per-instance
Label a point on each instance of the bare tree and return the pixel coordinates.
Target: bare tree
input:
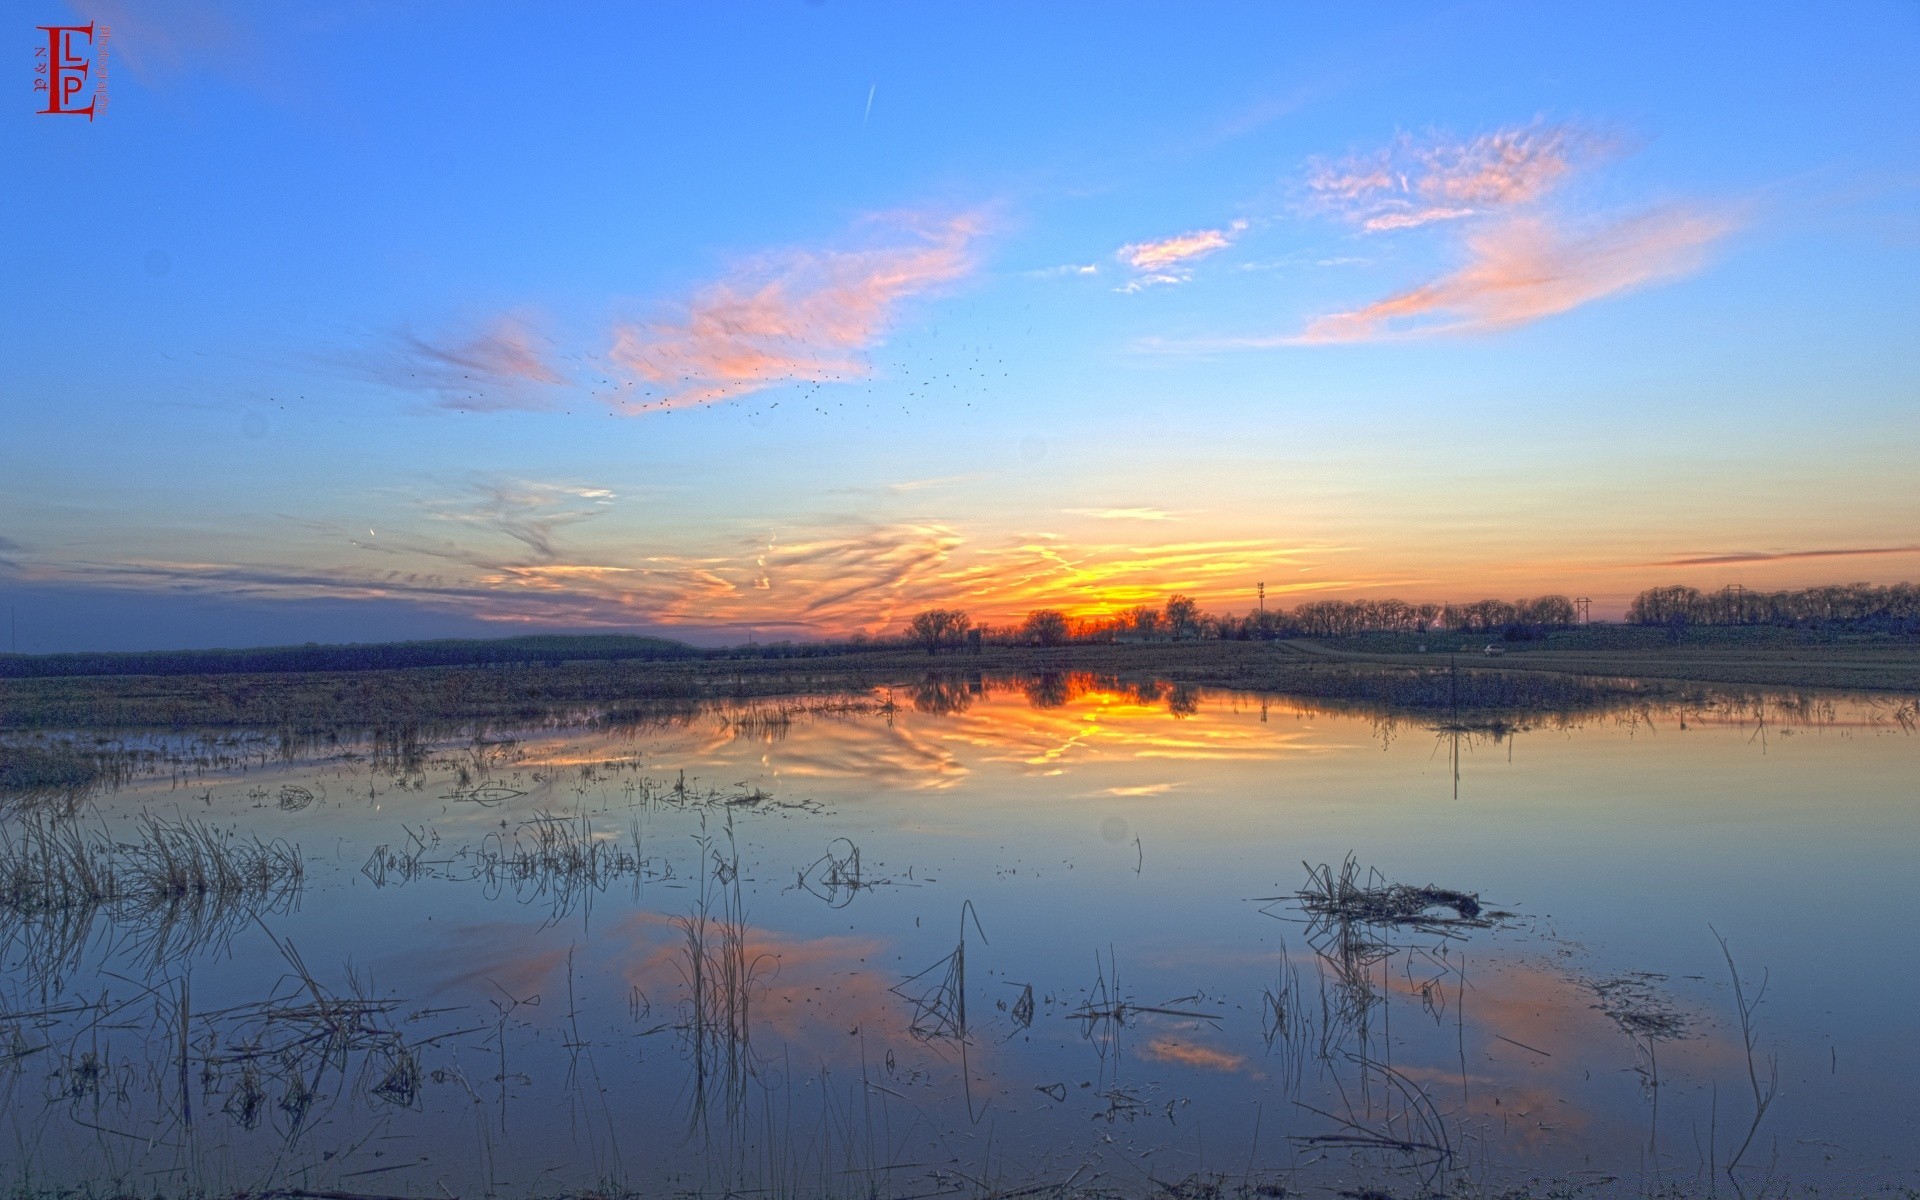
(1045, 627)
(1183, 615)
(1143, 621)
(939, 628)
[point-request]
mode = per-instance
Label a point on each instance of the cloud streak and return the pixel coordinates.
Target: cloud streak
(505, 366)
(1530, 267)
(1735, 557)
(793, 316)
(503, 555)
(1124, 514)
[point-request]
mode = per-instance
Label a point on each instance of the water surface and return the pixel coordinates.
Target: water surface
(960, 938)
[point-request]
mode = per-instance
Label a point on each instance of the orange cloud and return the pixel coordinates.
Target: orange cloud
(1528, 268)
(791, 316)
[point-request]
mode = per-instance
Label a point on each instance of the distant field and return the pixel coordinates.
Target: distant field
(1756, 655)
(1581, 669)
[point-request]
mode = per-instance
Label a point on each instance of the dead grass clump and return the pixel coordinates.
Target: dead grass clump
(55, 770)
(1344, 897)
(174, 886)
(562, 860)
(1637, 1005)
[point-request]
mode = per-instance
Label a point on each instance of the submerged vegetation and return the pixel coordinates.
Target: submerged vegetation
(168, 885)
(30, 770)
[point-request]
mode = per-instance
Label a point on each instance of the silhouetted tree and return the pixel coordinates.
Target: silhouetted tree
(1045, 627)
(1050, 689)
(1183, 615)
(939, 697)
(938, 629)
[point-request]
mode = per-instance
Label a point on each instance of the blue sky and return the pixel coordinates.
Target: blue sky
(792, 319)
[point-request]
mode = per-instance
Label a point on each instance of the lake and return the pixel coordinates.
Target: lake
(980, 936)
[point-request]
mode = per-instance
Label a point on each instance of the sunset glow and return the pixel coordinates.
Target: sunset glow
(789, 327)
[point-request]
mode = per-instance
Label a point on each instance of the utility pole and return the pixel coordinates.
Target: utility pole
(1263, 595)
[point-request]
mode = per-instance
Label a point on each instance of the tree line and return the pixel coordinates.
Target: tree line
(1895, 606)
(1181, 619)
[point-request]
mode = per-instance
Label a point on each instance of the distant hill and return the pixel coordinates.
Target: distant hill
(375, 656)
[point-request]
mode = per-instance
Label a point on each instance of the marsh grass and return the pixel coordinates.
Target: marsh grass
(170, 887)
(35, 771)
(721, 975)
(421, 703)
(561, 860)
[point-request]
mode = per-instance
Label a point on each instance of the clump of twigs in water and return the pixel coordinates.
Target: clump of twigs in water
(1406, 1121)
(1639, 1008)
(174, 886)
(837, 876)
(939, 993)
(1375, 901)
(1763, 1095)
(303, 1042)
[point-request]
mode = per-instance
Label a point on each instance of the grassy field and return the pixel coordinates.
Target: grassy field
(1752, 655)
(1572, 671)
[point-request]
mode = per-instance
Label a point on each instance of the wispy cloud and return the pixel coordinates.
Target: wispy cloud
(1734, 557)
(921, 485)
(1075, 269)
(529, 513)
(507, 552)
(1124, 514)
(506, 365)
(1169, 259)
(1530, 267)
(1418, 182)
(791, 316)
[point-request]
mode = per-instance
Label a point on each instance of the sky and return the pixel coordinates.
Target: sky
(788, 320)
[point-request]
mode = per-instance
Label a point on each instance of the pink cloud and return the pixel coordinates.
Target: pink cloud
(1169, 252)
(792, 316)
(1165, 261)
(1513, 166)
(1527, 268)
(1410, 184)
(1189, 1054)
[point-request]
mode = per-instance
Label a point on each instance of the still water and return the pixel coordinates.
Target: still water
(983, 937)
